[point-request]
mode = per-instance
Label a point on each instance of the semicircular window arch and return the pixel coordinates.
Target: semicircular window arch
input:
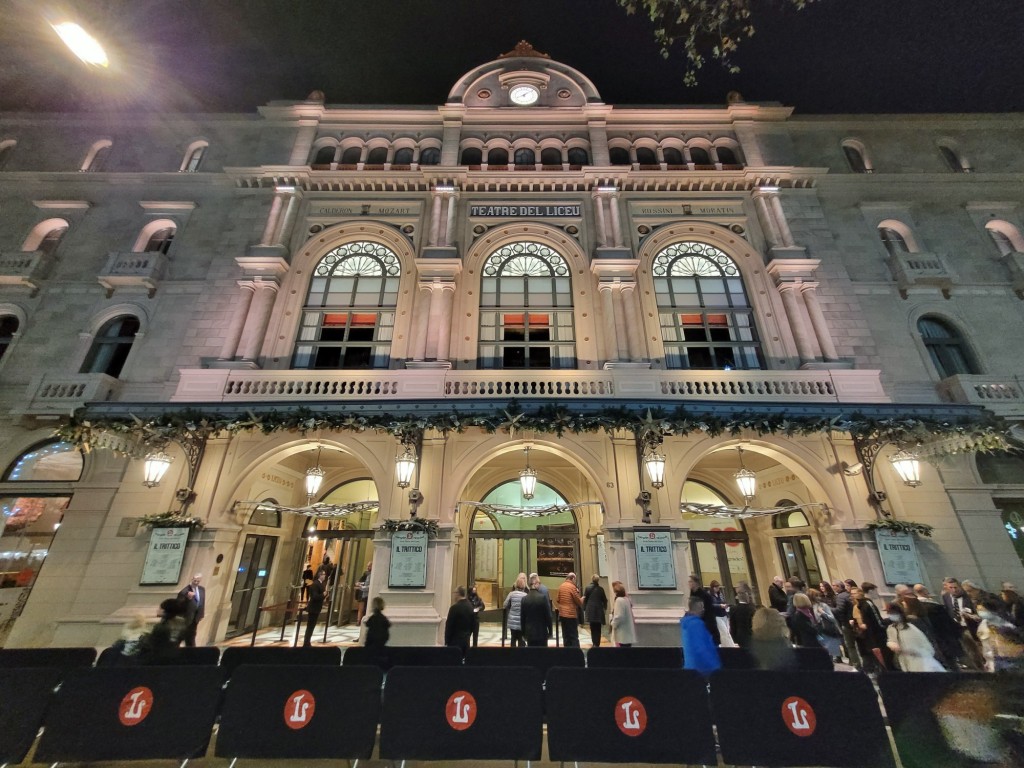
(707, 321)
(349, 315)
(526, 309)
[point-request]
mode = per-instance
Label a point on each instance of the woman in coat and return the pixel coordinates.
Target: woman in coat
(914, 652)
(803, 624)
(831, 635)
(623, 628)
(514, 604)
(595, 603)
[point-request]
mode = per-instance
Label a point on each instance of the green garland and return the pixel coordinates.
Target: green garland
(900, 526)
(172, 520)
(130, 434)
(413, 524)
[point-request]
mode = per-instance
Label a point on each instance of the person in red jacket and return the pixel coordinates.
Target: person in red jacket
(569, 604)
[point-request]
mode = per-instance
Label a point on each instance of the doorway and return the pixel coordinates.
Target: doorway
(251, 582)
(799, 559)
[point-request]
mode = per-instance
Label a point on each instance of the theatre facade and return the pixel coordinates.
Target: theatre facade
(637, 342)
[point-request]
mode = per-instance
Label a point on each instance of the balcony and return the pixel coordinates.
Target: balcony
(1003, 395)
(26, 269)
(911, 270)
(662, 388)
(133, 271)
(61, 395)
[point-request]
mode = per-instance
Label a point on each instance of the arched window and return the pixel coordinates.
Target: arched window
(266, 513)
(673, 156)
(946, 347)
(111, 346)
(856, 157)
(619, 156)
(377, 156)
(700, 156)
(526, 317)
(47, 462)
(525, 157)
(8, 328)
(893, 241)
(48, 245)
(472, 156)
(6, 150)
(952, 158)
(706, 320)
(430, 156)
(794, 519)
(579, 156)
(1007, 238)
(349, 317)
(350, 156)
(160, 241)
(551, 156)
(194, 157)
(646, 156)
(497, 156)
(325, 156)
(726, 156)
(403, 156)
(96, 158)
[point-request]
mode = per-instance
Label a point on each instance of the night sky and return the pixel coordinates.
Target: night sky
(837, 56)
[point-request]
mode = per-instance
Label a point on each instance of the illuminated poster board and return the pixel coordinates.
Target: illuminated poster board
(408, 559)
(655, 565)
(165, 555)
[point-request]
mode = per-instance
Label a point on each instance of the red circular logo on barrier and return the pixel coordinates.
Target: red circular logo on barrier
(460, 711)
(299, 709)
(630, 716)
(798, 716)
(135, 706)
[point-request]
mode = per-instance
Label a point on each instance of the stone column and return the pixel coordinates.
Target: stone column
(287, 220)
(608, 313)
(418, 350)
(767, 219)
(602, 236)
(246, 291)
(435, 219)
(434, 320)
(780, 221)
(621, 336)
(809, 291)
(634, 322)
(613, 204)
(444, 320)
(272, 220)
(449, 225)
(258, 318)
(801, 336)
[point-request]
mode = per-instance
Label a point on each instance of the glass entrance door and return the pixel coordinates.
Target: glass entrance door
(251, 582)
(724, 558)
(799, 559)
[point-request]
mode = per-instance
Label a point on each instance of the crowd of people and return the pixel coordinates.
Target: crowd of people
(966, 628)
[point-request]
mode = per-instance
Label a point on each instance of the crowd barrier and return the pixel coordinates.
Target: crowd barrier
(236, 656)
(540, 658)
(402, 656)
(46, 657)
(208, 655)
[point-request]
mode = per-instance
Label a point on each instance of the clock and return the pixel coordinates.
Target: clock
(523, 95)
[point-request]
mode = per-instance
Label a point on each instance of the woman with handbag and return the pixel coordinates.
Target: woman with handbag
(830, 636)
(802, 624)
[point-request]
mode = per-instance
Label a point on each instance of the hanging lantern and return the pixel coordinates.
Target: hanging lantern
(746, 480)
(655, 463)
(314, 475)
(907, 467)
(528, 478)
(405, 467)
(154, 468)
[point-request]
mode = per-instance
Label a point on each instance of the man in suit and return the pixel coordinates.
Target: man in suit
(536, 616)
(315, 604)
(777, 595)
(193, 596)
(458, 628)
(960, 608)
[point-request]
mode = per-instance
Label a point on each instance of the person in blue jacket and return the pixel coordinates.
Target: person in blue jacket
(699, 649)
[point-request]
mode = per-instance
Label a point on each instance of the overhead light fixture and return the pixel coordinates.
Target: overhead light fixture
(82, 44)
(528, 478)
(655, 463)
(315, 475)
(746, 480)
(405, 466)
(154, 468)
(907, 467)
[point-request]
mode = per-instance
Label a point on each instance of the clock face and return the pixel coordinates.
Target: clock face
(523, 94)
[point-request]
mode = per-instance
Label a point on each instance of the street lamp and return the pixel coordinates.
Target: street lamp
(746, 480)
(907, 467)
(314, 475)
(81, 43)
(655, 464)
(405, 466)
(154, 468)
(528, 478)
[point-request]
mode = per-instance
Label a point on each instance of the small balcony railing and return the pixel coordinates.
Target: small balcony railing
(139, 271)
(1004, 395)
(24, 268)
(921, 269)
(53, 394)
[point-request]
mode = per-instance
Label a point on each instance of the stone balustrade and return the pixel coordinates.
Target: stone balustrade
(1003, 395)
(24, 268)
(133, 271)
(50, 394)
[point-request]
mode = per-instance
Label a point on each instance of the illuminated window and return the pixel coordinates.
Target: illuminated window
(706, 320)
(526, 309)
(349, 317)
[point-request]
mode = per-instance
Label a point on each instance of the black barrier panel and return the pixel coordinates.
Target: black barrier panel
(541, 659)
(636, 657)
(941, 720)
(66, 658)
(142, 713)
(795, 718)
(736, 658)
(403, 656)
(629, 716)
(111, 657)
(300, 712)
(813, 660)
(24, 694)
(323, 655)
(462, 713)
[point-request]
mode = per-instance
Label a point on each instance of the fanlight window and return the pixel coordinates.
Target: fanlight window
(111, 346)
(526, 317)
(946, 347)
(706, 320)
(349, 317)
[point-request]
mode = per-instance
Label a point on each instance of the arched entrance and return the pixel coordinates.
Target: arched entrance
(719, 547)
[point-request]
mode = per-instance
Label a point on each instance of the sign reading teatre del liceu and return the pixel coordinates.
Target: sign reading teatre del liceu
(527, 210)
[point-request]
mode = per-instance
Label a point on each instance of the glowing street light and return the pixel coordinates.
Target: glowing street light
(82, 44)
